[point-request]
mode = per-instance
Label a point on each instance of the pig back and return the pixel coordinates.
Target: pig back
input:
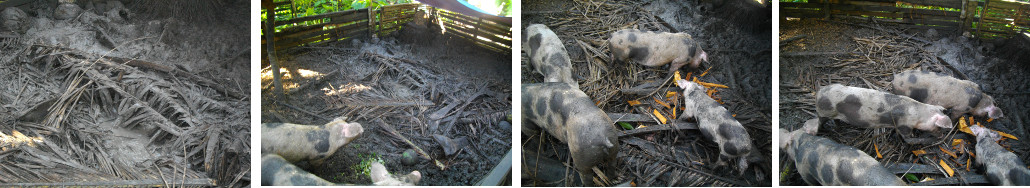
(823, 161)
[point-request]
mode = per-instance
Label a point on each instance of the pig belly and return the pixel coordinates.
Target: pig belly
(295, 142)
(1002, 167)
(276, 171)
(820, 160)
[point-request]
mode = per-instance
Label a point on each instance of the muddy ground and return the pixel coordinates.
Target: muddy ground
(740, 57)
(139, 98)
(416, 80)
(861, 54)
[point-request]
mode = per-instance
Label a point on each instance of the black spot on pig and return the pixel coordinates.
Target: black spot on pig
(534, 43)
(974, 97)
(639, 54)
(548, 69)
(826, 173)
(880, 109)
(812, 157)
(273, 125)
(690, 50)
(632, 37)
(320, 139)
(995, 179)
(541, 107)
(268, 170)
(1019, 177)
(912, 78)
(824, 103)
(919, 94)
(896, 113)
(733, 149)
(849, 108)
(301, 180)
(891, 98)
(846, 170)
(707, 134)
(557, 58)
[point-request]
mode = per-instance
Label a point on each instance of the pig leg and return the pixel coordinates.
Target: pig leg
(277, 171)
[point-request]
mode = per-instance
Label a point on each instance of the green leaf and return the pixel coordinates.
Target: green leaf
(911, 177)
(626, 126)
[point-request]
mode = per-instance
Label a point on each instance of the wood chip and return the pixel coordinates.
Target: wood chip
(947, 168)
(877, 148)
(919, 152)
(946, 151)
(660, 117)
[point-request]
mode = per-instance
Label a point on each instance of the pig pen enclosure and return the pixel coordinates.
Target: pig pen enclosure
(864, 43)
(414, 76)
(659, 150)
(124, 93)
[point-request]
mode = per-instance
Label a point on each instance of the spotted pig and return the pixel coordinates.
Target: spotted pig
(875, 109)
(822, 161)
(311, 143)
(277, 171)
(716, 124)
(1001, 166)
(569, 115)
(547, 54)
(656, 49)
(961, 96)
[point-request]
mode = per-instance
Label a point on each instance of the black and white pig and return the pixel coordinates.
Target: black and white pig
(547, 54)
(311, 143)
(961, 96)
(822, 161)
(1002, 167)
(656, 49)
(276, 171)
(569, 115)
(716, 124)
(875, 109)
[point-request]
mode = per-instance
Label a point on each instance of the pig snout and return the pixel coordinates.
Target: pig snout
(994, 112)
(935, 122)
(381, 177)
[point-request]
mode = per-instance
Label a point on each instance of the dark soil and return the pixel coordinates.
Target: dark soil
(403, 72)
(740, 58)
(801, 76)
(108, 126)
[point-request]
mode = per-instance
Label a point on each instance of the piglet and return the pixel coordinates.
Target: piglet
(822, 161)
(716, 124)
(276, 171)
(656, 49)
(569, 115)
(1002, 167)
(875, 109)
(961, 96)
(547, 54)
(311, 143)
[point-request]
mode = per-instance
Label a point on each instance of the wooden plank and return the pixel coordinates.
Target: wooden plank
(941, 3)
(322, 16)
(489, 36)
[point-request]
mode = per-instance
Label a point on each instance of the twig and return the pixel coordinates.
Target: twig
(389, 128)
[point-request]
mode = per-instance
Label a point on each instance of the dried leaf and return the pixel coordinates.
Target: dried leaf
(660, 116)
(947, 168)
(919, 152)
(670, 94)
(967, 164)
(877, 148)
(706, 84)
(660, 102)
(948, 152)
(955, 142)
(706, 72)
(633, 102)
(989, 120)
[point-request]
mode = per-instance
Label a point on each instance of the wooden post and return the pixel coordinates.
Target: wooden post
(270, 38)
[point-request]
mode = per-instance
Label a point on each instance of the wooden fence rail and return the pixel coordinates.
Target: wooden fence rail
(490, 33)
(987, 19)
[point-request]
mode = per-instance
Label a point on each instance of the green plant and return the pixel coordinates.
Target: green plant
(363, 168)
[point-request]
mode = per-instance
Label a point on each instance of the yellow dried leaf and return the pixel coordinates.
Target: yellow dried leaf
(1007, 135)
(670, 94)
(660, 102)
(947, 168)
(877, 148)
(676, 77)
(967, 164)
(633, 102)
(734, 115)
(955, 142)
(971, 120)
(989, 120)
(660, 116)
(948, 152)
(706, 72)
(919, 152)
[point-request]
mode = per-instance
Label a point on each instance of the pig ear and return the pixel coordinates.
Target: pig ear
(942, 121)
(811, 126)
(785, 138)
